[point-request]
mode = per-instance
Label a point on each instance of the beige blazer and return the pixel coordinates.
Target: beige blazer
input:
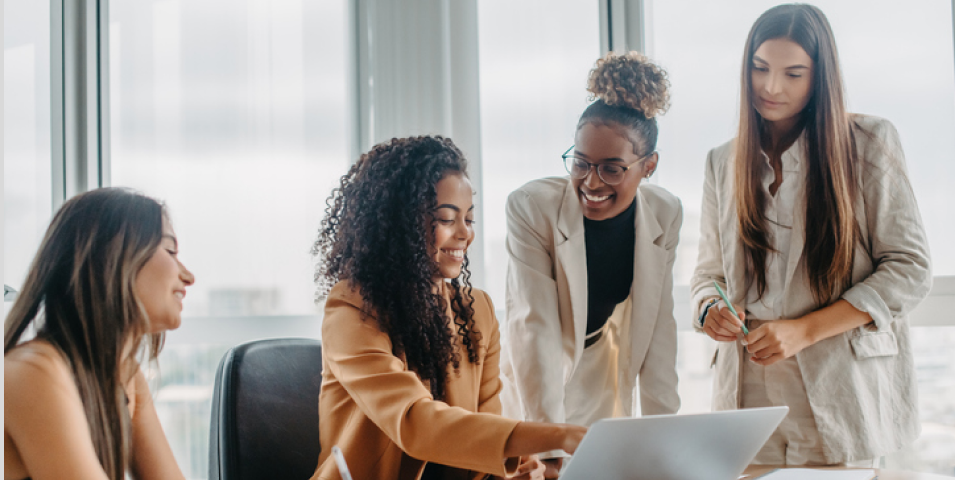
(547, 301)
(384, 418)
(861, 384)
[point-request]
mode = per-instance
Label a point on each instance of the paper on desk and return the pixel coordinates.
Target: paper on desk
(809, 474)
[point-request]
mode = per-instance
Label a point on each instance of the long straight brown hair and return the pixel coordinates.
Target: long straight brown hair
(831, 229)
(79, 296)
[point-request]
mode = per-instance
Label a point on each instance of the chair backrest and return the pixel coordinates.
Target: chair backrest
(265, 411)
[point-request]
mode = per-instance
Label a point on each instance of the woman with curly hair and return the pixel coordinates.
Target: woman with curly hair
(104, 286)
(811, 226)
(590, 271)
(410, 350)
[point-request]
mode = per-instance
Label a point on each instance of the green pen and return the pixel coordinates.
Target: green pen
(730, 305)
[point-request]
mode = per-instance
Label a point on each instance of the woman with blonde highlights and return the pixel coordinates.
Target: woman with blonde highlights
(104, 286)
(590, 270)
(810, 225)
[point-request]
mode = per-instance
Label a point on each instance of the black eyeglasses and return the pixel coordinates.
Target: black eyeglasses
(609, 173)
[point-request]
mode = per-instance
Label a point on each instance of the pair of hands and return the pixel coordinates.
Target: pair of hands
(533, 468)
(768, 344)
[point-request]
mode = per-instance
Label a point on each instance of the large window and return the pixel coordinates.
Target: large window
(898, 64)
(234, 114)
(27, 191)
(534, 59)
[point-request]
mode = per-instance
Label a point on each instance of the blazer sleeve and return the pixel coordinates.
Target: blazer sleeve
(896, 238)
(658, 376)
(359, 355)
(534, 342)
(709, 263)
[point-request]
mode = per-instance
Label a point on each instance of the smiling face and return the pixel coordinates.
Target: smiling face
(781, 73)
(597, 144)
(453, 225)
(161, 284)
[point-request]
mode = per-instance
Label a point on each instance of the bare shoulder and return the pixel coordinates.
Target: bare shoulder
(37, 377)
(36, 361)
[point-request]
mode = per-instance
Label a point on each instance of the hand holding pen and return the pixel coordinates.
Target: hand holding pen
(722, 322)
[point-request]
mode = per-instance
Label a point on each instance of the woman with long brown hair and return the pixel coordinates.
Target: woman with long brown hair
(104, 286)
(810, 224)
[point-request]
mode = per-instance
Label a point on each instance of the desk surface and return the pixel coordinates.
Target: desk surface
(755, 470)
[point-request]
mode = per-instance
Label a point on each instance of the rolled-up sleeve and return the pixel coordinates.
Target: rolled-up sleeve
(896, 238)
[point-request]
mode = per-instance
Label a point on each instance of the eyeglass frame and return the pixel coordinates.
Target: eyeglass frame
(596, 166)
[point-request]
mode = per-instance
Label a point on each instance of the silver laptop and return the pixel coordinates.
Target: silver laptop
(705, 446)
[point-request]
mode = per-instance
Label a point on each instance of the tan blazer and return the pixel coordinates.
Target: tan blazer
(384, 418)
(861, 384)
(547, 301)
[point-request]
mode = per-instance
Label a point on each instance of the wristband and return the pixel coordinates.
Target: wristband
(700, 321)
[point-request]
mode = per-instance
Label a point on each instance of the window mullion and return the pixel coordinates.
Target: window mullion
(79, 83)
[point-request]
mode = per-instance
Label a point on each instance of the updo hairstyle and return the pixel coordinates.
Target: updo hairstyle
(630, 91)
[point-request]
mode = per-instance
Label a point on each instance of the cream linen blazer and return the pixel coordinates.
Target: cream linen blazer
(547, 302)
(861, 384)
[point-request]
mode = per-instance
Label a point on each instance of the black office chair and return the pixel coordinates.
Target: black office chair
(265, 411)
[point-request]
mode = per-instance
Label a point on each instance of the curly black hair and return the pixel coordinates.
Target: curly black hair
(376, 233)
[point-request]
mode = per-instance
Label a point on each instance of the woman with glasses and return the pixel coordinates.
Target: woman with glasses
(810, 225)
(589, 301)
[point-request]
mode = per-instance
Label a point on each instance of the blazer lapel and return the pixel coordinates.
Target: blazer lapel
(649, 272)
(797, 240)
(572, 258)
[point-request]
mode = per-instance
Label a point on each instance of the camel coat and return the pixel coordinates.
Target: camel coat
(384, 418)
(547, 302)
(861, 384)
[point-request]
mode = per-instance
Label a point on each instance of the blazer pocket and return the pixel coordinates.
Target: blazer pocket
(880, 344)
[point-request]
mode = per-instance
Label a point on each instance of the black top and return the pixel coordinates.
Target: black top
(610, 245)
